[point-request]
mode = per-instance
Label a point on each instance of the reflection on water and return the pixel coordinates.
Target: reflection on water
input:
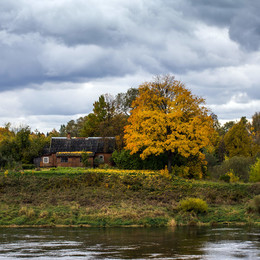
(130, 243)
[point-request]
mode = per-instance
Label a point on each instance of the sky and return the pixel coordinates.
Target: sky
(57, 57)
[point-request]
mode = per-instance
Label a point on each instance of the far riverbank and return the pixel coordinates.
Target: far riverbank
(86, 197)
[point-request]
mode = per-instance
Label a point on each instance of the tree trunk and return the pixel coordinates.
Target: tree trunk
(169, 165)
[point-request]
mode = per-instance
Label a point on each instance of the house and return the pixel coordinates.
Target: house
(67, 151)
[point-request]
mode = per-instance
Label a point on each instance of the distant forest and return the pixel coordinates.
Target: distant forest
(123, 115)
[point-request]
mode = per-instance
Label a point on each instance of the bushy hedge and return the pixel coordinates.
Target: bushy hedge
(124, 160)
(193, 204)
(27, 166)
(238, 164)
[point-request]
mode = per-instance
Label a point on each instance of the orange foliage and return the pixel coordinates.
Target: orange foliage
(166, 117)
(5, 133)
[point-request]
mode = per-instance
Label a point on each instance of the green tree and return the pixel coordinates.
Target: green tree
(105, 120)
(85, 159)
(256, 128)
(124, 101)
(63, 131)
(254, 174)
(222, 130)
(91, 126)
(37, 143)
(238, 141)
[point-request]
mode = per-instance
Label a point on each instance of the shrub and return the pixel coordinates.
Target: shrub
(28, 212)
(85, 159)
(96, 162)
(104, 166)
(225, 178)
(233, 177)
(254, 204)
(211, 160)
(239, 164)
(254, 174)
(229, 177)
(165, 173)
(28, 166)
(193, 204)
(124, 160)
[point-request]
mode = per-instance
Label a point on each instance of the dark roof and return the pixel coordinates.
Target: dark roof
(91, 144)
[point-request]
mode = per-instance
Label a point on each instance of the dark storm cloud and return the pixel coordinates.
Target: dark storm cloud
(239, 16)
(78, 40)
(74, 40)
(46, 46)
(217, 13)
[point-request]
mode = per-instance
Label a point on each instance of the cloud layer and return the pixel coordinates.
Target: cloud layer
(57, 57)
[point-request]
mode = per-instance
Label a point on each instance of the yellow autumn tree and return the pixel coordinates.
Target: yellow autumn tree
(168, 119)
(5, 133)
(238, 140)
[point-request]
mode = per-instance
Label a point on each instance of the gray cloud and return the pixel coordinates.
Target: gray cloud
(240, 17)
(50, 49)
(89, 39)
(216, 13)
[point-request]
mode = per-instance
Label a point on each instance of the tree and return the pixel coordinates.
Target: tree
(124, 101)
(256, 121)
(38, 142)
(222, 130)
(238, 141)
(256, 127)
(91, 126)
(105, 120)
(5, 133)
(63, 130)
(167, 119)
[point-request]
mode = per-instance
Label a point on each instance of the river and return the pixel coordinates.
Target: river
(130, 243)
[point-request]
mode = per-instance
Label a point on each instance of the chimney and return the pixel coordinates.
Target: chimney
(68, 136)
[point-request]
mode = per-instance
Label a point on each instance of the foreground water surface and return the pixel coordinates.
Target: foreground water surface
(130, 243)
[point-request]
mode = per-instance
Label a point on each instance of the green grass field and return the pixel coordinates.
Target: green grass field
(100, 197)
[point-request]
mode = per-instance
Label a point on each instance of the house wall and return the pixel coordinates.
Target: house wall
(72, 161)
(107, 157)
(52, 161)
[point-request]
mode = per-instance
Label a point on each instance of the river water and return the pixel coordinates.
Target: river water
(130, 243)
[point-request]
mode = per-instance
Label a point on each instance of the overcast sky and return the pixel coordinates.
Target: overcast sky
(58, 56)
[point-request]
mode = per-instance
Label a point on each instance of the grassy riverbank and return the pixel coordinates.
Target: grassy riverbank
(116, 198)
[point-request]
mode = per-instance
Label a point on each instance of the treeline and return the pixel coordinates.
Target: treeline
(233, 149)
(108, 118)
(19, 146)
(236, 149)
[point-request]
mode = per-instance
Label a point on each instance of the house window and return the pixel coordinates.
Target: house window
(45, 159)
(101, 158)
(64, 159)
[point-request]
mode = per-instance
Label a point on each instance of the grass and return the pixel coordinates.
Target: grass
(99, 197)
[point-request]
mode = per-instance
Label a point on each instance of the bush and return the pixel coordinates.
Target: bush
(229, 177)
(254, 174)
(193, 204)
(211, 160)
(85, 159)
(254, 204)
(225, 178)
(239, 164)
(124, 160)
(96, 162)
(28, 166)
